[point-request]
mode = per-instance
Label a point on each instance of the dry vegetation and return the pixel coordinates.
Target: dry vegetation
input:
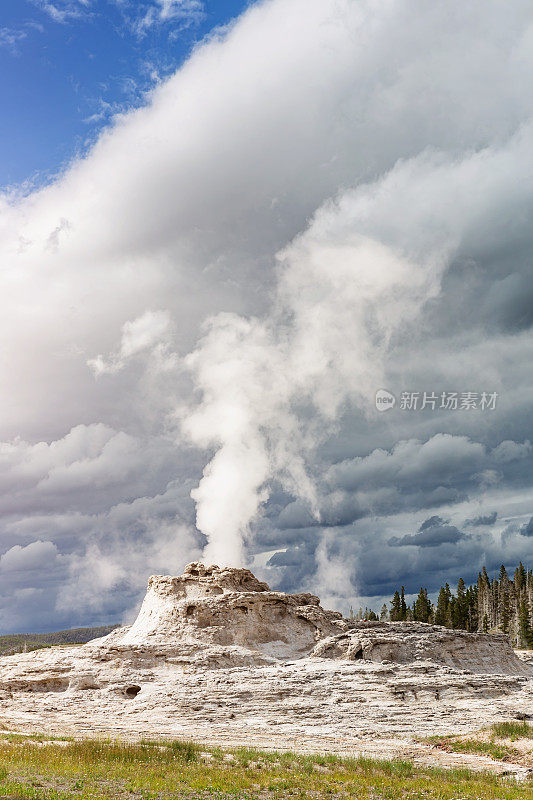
(37, 767)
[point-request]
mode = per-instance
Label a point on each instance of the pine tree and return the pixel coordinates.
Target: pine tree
(403, 605)
(460, 607)
(396, 607)
(441, 612)
(422, 607)
(520, 578)
(525, 631)
(488, 604)
(503, 600)
(472, 604)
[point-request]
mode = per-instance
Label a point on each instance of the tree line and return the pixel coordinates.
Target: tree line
(502, 604)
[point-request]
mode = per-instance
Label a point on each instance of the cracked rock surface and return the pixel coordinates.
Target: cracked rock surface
(216, 656)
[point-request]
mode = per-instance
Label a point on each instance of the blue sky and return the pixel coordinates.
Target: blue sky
(68, 65)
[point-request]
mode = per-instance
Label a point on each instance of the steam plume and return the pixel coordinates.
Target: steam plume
(272, 389)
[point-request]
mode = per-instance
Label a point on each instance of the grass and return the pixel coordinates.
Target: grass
(33, 737)
(493, 742)
(512, 730)
(41, 769)
(499, 752)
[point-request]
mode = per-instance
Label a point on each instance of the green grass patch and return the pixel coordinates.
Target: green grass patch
(94, 769)
(499, 752)
(493, 747)
(512, 730)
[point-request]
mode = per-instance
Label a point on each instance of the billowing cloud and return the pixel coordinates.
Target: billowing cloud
(512, 451)
(149, 333)
(442, 458)
(37, 555)
(81, 471)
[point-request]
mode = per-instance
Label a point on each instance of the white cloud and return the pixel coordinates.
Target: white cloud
(35, 556)
(512, 451)
(149, 332)
(10, 38)
(85, 470)
(179, 14)
(64, 11)
(176, 9)
(166, 213)
(440, 458)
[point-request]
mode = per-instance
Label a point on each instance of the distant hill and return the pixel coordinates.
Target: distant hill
(20, 642)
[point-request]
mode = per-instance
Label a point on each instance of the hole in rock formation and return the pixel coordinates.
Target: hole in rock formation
(132, 691)
(189, 611)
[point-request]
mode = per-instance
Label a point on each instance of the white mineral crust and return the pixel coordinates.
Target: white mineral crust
(216, 656)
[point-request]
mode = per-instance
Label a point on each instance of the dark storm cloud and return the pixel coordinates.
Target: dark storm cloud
(444, 470)
(335, 511)
(443, 459)
(432, 533)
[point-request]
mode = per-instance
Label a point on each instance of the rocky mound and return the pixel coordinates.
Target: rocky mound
(412, 642)
(228, 615)
(214, 654)
(229, 609)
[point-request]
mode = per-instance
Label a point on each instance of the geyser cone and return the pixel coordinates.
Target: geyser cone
(229, 606)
